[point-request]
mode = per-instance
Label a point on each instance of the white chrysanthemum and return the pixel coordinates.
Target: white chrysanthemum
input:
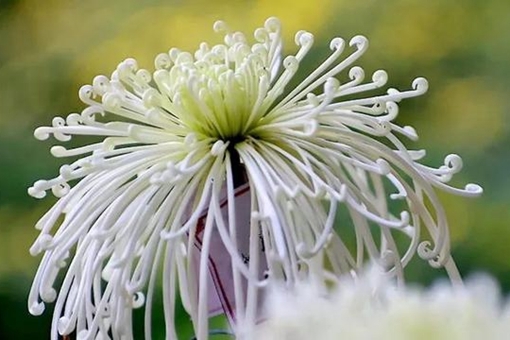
(372, 307)
(178, 145)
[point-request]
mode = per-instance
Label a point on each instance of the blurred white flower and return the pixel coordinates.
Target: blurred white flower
(216, 172)
(372, 307)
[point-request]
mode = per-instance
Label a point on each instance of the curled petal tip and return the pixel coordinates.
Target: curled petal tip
(273, 24)
(384, 166)
(356, 73)
(36, 193)
(337, 44)
(138, 300)
(220, 26)
(36, 308)
(421, 85)
(58, 151)
(101, 84)
(42, 133)
(380, 77)
(64, 325)
(162, 61)
(48, 295)
(454, 162)
(425, 252)
(304, 38)
(474, 189)
(291, 63)
(61, 189)
(360, 42)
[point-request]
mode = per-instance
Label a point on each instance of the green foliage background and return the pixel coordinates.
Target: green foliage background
(48, 49)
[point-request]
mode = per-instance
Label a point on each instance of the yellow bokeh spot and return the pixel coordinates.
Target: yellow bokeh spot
(98, 35)
(156, 29)
(422, 30)
(468, 113)
(16, 239)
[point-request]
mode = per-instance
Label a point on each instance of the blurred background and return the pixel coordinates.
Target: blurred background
(48, 49)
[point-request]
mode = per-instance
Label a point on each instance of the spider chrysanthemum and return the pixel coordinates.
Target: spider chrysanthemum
(214, 176)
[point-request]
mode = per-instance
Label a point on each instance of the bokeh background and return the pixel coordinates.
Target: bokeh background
(48, 49)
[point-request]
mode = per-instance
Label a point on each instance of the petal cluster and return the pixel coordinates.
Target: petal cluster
(372, 307)
(171, 148)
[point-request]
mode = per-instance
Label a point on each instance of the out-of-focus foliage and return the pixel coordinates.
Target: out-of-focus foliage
(48, 49)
